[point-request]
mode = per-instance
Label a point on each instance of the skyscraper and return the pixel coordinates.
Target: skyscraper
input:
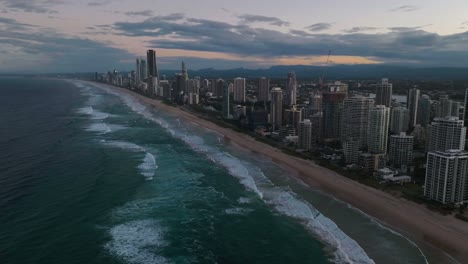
(292, 117)
(465, 116)
(305, 134)
(399, 120)
(138, 71)
(239, 90)
(412, 104)
(355, 119)
(152, 65)
(226, 103)
(379, 119)
(291, 90)
(446, 133)
(276, 107)
(263, 89)
(332, 107)
(184, 71)
(424, 111)
(446, 176)
(351, 150)
(383, 93)
(400, 154)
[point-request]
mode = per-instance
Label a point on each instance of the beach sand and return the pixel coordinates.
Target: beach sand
(443, 238)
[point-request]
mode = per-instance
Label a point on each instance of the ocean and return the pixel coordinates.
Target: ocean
(90, 175)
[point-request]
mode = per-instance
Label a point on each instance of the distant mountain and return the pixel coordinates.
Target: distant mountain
(335, 72)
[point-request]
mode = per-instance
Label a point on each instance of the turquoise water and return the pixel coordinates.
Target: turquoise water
(90, 175)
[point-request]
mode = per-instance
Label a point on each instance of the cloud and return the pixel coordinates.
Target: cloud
(99, 3)
(405, 8)
(404, 29)
(32, 6)
(146, 13)
(410, 45)
(319, 27)
(465, 23)
(359, 29)
(41, 48)
(274, 21)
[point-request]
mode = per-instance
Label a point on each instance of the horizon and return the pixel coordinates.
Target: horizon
(47, 36)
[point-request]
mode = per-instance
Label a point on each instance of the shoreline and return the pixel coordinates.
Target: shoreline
(444, 239)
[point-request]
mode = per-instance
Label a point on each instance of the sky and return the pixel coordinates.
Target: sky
(99, 35)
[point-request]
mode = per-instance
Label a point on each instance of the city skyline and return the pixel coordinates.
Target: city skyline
(52, 36)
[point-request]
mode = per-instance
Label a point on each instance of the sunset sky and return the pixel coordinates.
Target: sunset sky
(96, 35)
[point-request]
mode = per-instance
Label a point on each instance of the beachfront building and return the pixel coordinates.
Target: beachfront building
(400, 154)
(412, 103)
(384, 93)
(351, 150)
(226, 103)
(305, 134)
(377, 137)
(332, 109)
(239, 90)
(399, 120)
(355, 119)
(370, 162)
(446, 134)
(291, 90)
(292, 117)
(276, 108)
(446, 176)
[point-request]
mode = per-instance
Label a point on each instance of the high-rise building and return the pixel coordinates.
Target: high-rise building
(351, 150)
(152, 65)
(305, 134)
(446, 176)
(465, 115)
(219, 87)
(355, 119)
(383, 93)
(184, 71)
(291, 90)
(263, 89)
(377, 138)
(400, 154)
(226, 103)
(239, 90)
(292, 117)
(317, 121)
(446, 134)
(413, 104)
(138, 71)
(399, 120)
(177, 92)
(332, 107)
(276, 107)
(424, 111)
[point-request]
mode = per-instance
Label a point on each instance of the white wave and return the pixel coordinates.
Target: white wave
(137, 242)
(148, 166)
(124, 145)
(104, 128)
(238, 211)
(243, 200)
(95, 114)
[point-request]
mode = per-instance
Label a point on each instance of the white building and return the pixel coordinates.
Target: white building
(446, 176)
(400, 119)
(276, 108)
(354, 123)
(413, 103)
(446, 134)
(377, 138)
(383, 93)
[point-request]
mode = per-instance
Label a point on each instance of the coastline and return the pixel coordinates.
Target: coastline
(440, 237)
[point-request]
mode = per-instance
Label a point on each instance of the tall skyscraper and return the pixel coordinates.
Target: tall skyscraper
(305, 134)
(412, 104)
(263, 89)
(138, 71)
(292, 117)
(400, 154)
(465, 116)
(424, 111)
(446, 176)
(383, 93)
(184, 71)
(355, 119)
(379, 119)
(446, 133)
(152, 65)
(226, 103)
(239, 90)
(399, 120)
(291, 90)
(332, 107)
(276, 111)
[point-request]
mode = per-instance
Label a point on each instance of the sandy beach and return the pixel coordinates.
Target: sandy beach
(443, 238)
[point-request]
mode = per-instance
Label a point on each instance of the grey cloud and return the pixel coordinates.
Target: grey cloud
(99, 3)
(465, 23)
(404, 29)
(359, 29)
(247, 18)
(405, 8)
(33, 6)
(146, 13)
(319, 26)
(415, 45)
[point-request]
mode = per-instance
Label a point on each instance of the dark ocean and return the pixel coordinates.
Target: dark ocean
(90, 175)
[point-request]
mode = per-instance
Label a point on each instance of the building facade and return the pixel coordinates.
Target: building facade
(355, 119)
(379, 119)
(384, 93)
(239, 90)
(400, 119)
(400, 154)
